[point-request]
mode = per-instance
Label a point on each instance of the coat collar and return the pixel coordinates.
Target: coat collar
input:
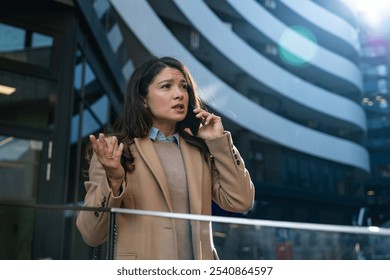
(156, 134)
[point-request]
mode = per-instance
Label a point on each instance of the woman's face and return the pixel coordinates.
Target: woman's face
(167, 98)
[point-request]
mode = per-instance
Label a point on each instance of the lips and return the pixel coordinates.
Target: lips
(178, 106)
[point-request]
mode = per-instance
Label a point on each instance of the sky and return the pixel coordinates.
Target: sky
(374, 14)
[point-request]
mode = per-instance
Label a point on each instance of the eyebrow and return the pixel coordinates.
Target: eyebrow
(171, 80)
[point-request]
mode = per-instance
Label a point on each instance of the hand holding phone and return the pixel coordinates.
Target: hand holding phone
(211, 124)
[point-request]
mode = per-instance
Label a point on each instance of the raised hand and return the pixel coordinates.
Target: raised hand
(211, 126)
(109, 153)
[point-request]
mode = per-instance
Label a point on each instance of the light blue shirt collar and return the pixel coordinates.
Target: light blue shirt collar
(157, 135)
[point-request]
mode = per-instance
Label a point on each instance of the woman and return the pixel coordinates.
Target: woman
(172, 156)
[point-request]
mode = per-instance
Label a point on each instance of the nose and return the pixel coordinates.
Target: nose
(178, 94)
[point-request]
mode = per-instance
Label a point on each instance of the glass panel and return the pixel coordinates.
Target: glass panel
(234, 238)
(11, 39)
(25, 46)
(270, 243)
(16, 233)
(19, 168)
(91, 110)
(93, 118)
(252, 239)
(90, 98)
(100, 7)
(31, 103)
(41, 40)
(39, 53)
(19, 175)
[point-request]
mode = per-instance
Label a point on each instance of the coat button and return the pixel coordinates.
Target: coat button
(238, 162)
(96, 214)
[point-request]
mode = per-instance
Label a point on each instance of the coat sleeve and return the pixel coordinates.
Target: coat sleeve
(93, 225)
(233, 189)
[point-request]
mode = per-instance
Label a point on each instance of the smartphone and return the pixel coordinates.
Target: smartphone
(193, 123)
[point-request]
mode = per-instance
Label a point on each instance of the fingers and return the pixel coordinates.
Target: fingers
(119, 151)
(94, 143)
(106, 149)
(205, 116)
(99, 144)
(110, 147)
(211, 124)
(210, 119)
(188, 131)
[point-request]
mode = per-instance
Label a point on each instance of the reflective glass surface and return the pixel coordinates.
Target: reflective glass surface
(234, 238)
(19, 168)
(25, 46)
(32, 101)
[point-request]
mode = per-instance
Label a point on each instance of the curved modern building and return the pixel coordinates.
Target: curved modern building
(284, 75)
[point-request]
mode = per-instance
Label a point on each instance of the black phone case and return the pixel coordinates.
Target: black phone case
(192, 121)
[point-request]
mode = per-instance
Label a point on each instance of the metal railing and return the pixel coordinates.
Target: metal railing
(260, 235)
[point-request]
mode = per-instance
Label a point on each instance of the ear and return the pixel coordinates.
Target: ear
(144, 102)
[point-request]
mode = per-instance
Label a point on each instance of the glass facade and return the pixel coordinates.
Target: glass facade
(20, 166)
(32, 100)
(25, 46)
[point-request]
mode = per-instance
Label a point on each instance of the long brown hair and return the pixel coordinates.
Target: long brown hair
(135, 120)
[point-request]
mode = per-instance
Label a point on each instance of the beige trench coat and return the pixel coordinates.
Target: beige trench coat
(145, 237)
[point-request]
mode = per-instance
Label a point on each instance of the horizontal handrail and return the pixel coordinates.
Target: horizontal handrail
(372, 230)
(255, 222)
(54, 206)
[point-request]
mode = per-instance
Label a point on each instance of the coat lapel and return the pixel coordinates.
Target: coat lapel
(193, 165)
(193, 161)
(149, 155)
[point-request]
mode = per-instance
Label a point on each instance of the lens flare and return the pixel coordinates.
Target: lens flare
(372, 12)
(297, 46)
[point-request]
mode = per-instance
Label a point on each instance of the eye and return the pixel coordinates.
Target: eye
(184, 86)
(166, 86)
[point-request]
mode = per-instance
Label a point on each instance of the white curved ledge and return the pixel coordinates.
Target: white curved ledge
(320, 57)
(154, 35)
(267, 72)
(325, 20)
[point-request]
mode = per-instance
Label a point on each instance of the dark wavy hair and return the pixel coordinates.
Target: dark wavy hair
(135, 120)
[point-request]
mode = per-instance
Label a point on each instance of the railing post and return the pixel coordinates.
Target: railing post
(111, 236)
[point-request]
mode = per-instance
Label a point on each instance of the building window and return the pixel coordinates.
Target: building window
(91, 113)
(25, 46)
(31, 103)
(19, 168)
